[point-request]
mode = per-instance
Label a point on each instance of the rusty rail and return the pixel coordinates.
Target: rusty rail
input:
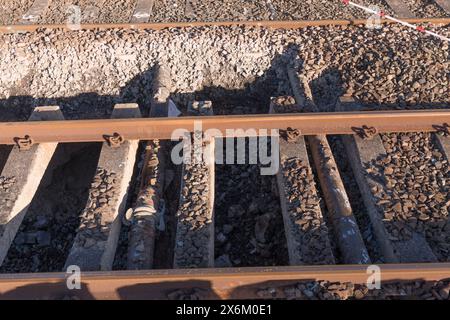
(163, 128)
(295, 24)
(212, 283)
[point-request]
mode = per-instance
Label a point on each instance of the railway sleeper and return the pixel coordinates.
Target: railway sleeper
(142, 11)
(305, 228)
(20, 178)
(96, 241)
(35, 12)
(400, 8)
(194, 240)
(361, 153)
(444, 4)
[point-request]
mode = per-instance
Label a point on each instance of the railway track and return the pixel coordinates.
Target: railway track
(97, 237)
(303, 238)
(144, 11)
(154, 14)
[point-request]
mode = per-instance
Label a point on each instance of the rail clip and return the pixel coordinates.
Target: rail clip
(24, 143)
(365, 132)
(290, 135)
(443, 130)
(115, 140)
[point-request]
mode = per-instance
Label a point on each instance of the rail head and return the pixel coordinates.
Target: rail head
(224, 126)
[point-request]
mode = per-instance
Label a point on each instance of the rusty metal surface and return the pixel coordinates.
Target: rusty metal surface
(213, 283)
(145, 215)
(163, 128)
(340, 212)
(158, 26)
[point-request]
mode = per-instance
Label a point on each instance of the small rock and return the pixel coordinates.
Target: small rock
(43, 238)
(227, 228)
(221, 237)
(262, 223)
(20, 239)
(89, 243)
(41, 222)
(223, 262)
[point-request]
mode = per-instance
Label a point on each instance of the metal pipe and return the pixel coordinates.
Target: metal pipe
(145, 218)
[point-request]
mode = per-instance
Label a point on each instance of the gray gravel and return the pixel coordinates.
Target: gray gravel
(325, 290)
(425, 8)
(119, 11)
(248, 221)
(62, 11)
(245, 10)
(386, 70)
(316, 248)
(194, 230)
(418, 195)
(90, 11)
(11, 11)
(110, 11)
(93, 230)
(112, 66)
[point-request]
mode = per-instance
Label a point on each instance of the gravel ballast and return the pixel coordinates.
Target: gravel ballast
(87, 72)
(249, 224)
(88, 11)
(110, 11)
(13, 10)
(193, 242)
(325, 290)
(242, 10)
(418, 197)
(425, 8)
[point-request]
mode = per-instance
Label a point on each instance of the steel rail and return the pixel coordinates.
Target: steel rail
(227, 126)
(223, 283)
(295, 24)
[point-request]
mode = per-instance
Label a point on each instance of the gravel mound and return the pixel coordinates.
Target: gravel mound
(248, 220)
(88, 11)
(325, 290)
(113, 11)
(418, 195)
(425, 8)
(87, 72)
